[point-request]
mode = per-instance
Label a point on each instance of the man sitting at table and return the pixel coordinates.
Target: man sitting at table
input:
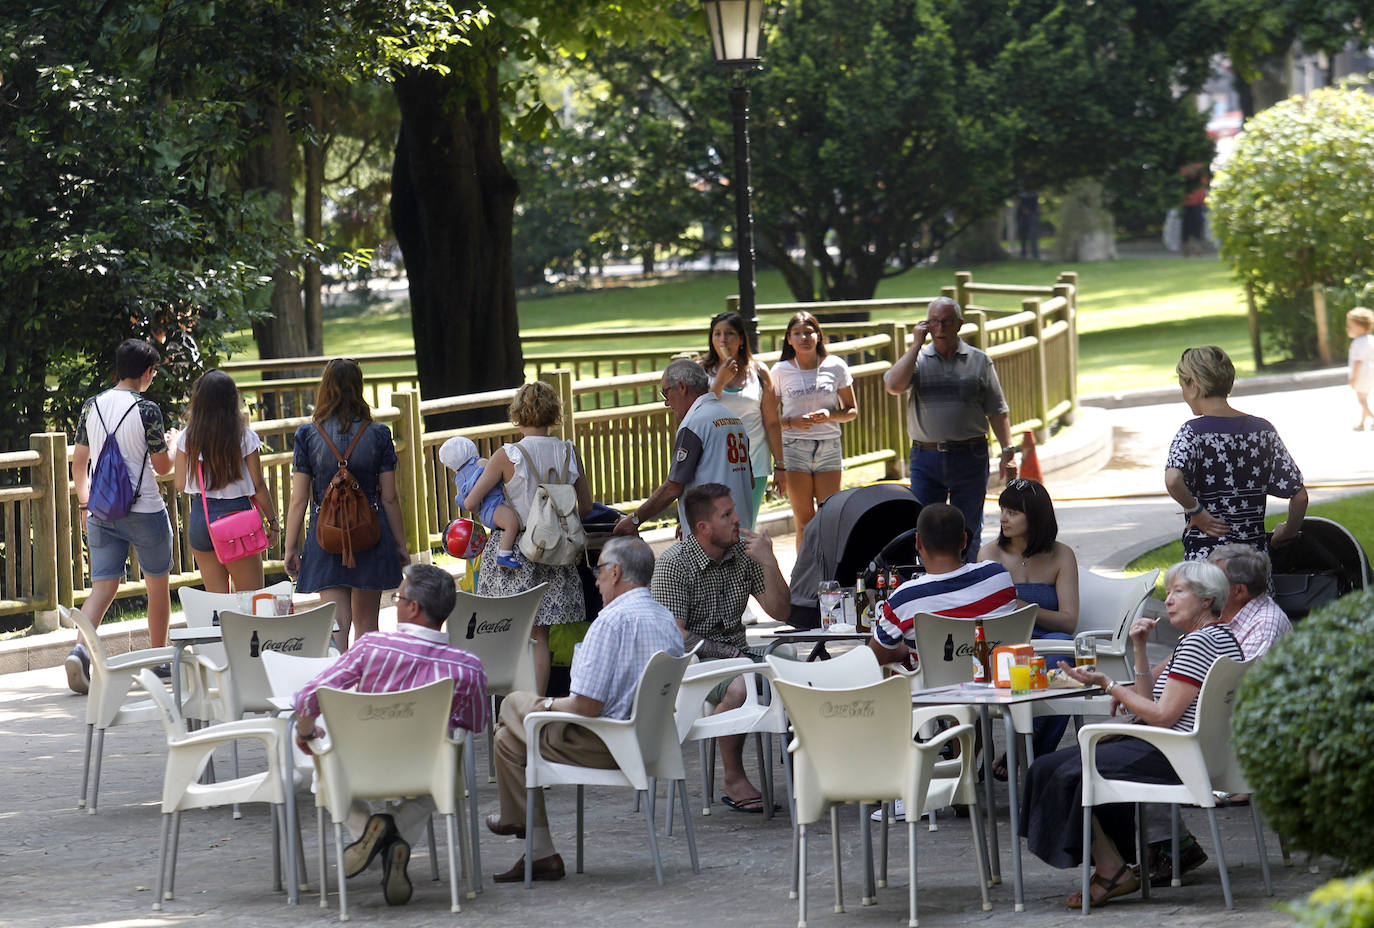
(706, 580)
(606, 667)
(416, 654)
(948, 587)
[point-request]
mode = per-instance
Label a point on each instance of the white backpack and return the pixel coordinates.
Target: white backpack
(553, 528)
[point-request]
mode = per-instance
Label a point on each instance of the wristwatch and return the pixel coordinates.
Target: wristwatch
(634, 519)
(548, 704)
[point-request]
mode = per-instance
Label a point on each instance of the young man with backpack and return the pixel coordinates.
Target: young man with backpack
(121, 434)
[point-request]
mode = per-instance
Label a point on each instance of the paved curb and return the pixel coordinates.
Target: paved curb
(1267, 383)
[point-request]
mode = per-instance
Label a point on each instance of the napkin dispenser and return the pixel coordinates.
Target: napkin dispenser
(1003, 656)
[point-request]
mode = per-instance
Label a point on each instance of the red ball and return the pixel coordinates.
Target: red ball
(465, 538)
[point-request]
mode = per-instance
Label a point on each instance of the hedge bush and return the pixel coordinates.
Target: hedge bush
(1338, 904)
(1303, 728)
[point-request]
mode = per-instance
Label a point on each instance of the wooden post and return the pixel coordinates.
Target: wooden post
(1041, 403)
(424, 509)
(43, 518)
(1323, 335)
(961, 281)
(410, 443)
(1256, 345)
(1066, 292)
(894, 413)
(561, 379)
(65, 505)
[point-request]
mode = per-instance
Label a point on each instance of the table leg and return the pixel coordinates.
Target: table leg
(177, 648)
(866, 830)
(288, 770)
(995, 855)
(1013, 789)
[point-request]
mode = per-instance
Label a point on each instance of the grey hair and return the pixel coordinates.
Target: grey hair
(1244, 565)
(688, 373)
(941, 301)
(635, 557)
(1204, 580)
(432, 589)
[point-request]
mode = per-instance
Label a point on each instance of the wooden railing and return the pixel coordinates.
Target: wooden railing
(621, 427)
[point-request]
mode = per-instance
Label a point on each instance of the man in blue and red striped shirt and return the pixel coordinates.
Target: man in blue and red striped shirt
(948, 587)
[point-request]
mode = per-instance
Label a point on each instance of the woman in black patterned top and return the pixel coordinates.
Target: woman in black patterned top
(1166, 697)
(1223, 464)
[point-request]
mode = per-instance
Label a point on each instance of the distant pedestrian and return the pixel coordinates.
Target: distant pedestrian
(1358, 325)
(1028, 223)
(1195, 209)
(955, 396)
(135, 424)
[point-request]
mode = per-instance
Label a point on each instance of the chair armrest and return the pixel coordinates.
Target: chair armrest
(1181, 749)
(699, 679)
(617, 734)
(135, 661)
(1052, 646)
(728, 667)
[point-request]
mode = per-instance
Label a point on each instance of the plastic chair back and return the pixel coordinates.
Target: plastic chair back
(305, 634)
(497, 630)
(200, 607)
(287, 673)
(1212, 724)
(851, 744)
(388, 745)
(653, 718)
(856, 667)
(109, 701)
(945, 645)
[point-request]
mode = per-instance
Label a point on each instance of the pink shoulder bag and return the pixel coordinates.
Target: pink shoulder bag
(237, 535)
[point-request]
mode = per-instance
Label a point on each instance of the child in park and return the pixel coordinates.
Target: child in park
(459, 455)
(1358, 323)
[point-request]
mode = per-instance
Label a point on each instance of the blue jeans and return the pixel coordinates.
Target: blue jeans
(959, 478)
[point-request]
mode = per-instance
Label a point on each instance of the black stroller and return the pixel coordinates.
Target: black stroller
(1321, 565)
(851, 531)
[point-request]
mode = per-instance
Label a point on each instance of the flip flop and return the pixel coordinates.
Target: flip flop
(1124, 883)
(752, 806)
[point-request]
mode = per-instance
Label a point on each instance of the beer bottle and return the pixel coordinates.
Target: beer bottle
(982, 654)
(863, 609)
(882, 586)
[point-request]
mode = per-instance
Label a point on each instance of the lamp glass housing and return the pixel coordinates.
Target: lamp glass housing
(734, 30)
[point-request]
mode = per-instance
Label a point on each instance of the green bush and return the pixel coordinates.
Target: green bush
(1339, 904)
(1295, 207)
(1303, 728)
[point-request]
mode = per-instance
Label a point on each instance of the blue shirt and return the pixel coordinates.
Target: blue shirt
(607, 664)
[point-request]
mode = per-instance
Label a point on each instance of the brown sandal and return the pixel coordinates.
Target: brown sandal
(1123, 883)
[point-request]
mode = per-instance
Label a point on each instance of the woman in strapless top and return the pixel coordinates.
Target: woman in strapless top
(1045, 572)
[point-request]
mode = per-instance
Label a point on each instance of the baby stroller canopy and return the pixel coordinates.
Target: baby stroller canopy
(1321, 565)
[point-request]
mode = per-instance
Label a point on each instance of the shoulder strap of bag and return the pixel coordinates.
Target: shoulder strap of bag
(138, 481)
(204, 496)
(342, 458)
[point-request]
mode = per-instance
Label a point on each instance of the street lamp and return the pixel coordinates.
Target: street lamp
(735, 42)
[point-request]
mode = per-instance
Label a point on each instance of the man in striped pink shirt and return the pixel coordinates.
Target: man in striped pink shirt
(416, 654)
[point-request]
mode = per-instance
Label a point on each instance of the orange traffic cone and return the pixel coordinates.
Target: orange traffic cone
(1030, 461)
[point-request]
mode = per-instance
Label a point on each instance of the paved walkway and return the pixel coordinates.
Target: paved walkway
(65, 868)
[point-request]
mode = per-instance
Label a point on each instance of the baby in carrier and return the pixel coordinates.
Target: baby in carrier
(459, 455)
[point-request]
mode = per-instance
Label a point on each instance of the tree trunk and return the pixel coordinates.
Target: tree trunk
(452, 209)
(1274, 84)
(268, 168)
(313, 207)
(979, 243)
(1086, 229)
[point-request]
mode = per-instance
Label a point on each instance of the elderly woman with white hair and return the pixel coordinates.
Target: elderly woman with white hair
(1164, 696)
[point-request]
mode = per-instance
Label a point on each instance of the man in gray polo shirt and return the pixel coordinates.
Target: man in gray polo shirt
(711, 446)
(955, 395)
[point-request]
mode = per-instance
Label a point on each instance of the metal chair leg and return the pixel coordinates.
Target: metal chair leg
(86, 768)
(870, 896)
(455, 848)
(653, 838)
(433, 850)
(911, 864)
(687, 824)
(162, 861)
(339, 861)
(835, 855)
(1221, 858)
(1259, 843)
(801, 876)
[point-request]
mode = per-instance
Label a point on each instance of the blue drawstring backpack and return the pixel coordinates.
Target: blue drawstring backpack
(112, 489)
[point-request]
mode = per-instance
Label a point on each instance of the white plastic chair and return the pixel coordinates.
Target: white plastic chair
(754, 717)
(1106, 608)
(187, 756)
(945, 644)
(497, 630)
(856, 667)
(1203, 759)
(111, 700)
(368, 733)
(199, 608)
(645, 748)
(855, 745)
(304, 634)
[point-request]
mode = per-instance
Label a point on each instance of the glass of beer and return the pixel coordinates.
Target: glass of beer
(1085, 652)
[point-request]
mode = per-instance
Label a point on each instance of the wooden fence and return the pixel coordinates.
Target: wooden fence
(621, 427)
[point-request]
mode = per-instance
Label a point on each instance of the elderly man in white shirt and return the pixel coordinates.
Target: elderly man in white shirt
(630, 629)
(1256, 620)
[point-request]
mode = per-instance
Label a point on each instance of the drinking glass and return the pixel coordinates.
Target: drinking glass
(1020, 675)
(830, 596)
(1085, 652)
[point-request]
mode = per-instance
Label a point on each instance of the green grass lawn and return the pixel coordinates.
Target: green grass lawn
(1136, 315)
(1356, 513)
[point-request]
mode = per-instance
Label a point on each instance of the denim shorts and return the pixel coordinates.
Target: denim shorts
(196, 530)
(149, 532)
(811, 455)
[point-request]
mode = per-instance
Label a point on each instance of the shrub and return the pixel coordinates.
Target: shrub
(1295, 207)
(1303, 728)
(1339, 904)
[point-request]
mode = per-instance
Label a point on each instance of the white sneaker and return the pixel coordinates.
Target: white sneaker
(898, 812)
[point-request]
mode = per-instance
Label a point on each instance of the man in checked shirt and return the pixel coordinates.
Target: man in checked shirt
(416, 654)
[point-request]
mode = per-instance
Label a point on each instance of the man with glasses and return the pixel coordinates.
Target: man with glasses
(630, 629)
(955, 395)
(416, 654)
(711, 446)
